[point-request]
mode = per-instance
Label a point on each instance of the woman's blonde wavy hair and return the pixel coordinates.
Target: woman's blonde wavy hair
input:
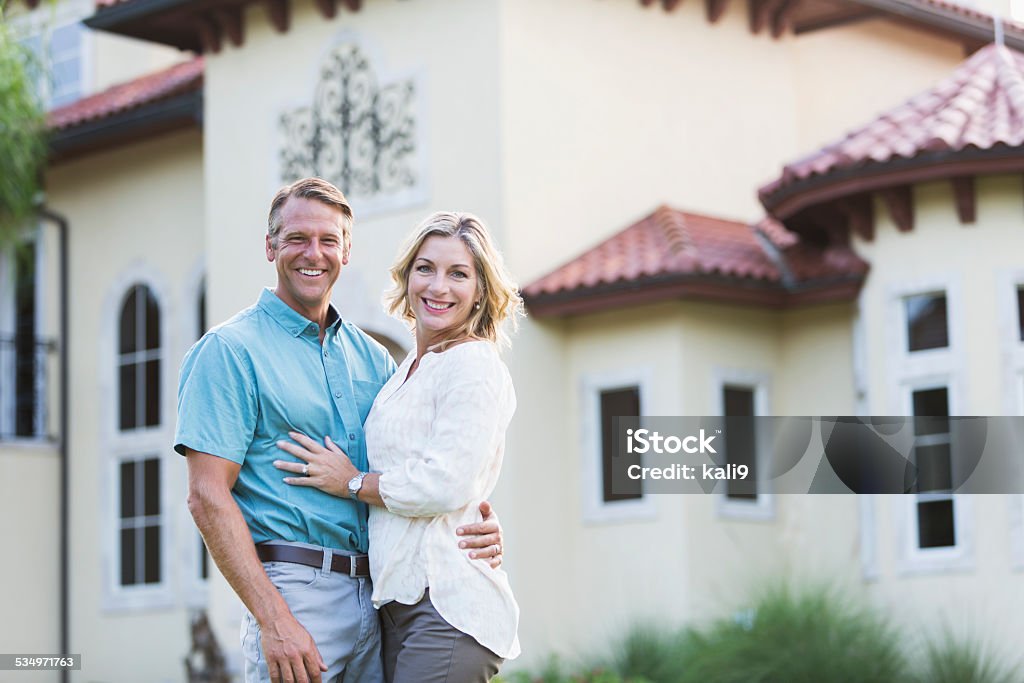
(497, 292)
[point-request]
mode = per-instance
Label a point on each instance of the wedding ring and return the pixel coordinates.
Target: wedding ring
(305, 469)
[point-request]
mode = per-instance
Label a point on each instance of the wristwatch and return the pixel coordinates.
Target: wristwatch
(355, 484)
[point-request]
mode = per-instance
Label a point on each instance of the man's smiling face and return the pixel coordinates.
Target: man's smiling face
(308, 251)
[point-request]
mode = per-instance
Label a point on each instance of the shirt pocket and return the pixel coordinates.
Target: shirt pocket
(364, 392)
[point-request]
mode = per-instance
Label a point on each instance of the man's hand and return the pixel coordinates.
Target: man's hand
(486, 535)
(292, 656)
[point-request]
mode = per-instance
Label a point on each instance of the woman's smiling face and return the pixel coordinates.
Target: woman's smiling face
(442, 287)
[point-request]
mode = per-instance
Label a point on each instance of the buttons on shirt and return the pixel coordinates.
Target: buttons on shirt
(351, 437)
(337, 394)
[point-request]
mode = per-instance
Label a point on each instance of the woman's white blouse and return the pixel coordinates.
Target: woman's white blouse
(438, 440)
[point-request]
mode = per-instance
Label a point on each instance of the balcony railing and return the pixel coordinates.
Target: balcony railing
(27, 372)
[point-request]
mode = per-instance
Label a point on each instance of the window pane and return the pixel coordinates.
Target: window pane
(926, 322)
(128, 557)
(934, 468)
(1020, 312)
(152, 393)
(740, 440)
(128, 322)
(152, 320)
(127, 390)
(25, 353)
(931, 403)
(151, 492)
(618, 403)
(152, 573)
(127, 485)
(201, 311)
(65, 75)
(66, 40)
(935, 524)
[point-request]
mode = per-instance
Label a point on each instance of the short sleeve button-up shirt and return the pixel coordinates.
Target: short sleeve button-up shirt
(263, 373)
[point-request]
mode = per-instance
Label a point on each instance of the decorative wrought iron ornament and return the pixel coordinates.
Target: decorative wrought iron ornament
(356, 134)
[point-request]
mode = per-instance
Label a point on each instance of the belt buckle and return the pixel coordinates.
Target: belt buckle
(352, 566)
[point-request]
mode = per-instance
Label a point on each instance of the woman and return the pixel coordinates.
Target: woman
(435, 439)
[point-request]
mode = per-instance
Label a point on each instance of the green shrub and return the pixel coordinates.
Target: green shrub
(952, 659)
(811, 636)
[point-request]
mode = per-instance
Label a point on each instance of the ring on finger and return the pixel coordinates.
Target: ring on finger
(497, 549)
(305, 469)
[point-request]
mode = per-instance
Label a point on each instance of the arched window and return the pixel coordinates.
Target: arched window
(138, 554)
(139, 360)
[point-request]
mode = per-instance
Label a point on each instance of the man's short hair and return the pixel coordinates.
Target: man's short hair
(316, 189)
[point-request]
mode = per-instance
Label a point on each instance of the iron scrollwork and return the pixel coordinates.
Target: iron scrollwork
(357, 134)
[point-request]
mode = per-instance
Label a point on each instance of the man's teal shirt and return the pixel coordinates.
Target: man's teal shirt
(263, 373)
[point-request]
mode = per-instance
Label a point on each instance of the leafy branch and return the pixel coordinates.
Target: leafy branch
(22, 133)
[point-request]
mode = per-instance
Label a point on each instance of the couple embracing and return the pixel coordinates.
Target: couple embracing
(314, 463)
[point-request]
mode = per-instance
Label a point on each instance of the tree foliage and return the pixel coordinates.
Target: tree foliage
(22, 132)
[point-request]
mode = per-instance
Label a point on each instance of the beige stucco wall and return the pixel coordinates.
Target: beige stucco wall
(29, 482)
(836, 93)
(611, 109)
(135, 214)
(685, 560)
(979, 267)
(115, 59)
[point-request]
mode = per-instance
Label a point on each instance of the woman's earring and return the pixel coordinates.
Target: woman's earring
(477, 306)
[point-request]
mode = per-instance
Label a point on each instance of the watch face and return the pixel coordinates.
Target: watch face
(354, 484)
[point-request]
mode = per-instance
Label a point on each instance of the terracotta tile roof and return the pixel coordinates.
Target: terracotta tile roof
(667, 242)
(803, 263)
(176, 80)
(672, 253)
(980, 106)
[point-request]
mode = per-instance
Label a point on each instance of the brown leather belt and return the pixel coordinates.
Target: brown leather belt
(354, 565)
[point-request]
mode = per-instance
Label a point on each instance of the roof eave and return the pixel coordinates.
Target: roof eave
(169, 114)
(946, 20)
(815, 190)
(150, 20)
(113, 16)
(704, 288)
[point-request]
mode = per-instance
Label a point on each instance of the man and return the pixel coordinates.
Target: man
(294, 555)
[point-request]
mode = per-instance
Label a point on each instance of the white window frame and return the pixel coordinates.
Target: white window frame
(135, 445)
(763, 508)
(917, 560)
(1012, 347)
(48, 18)
(595, 509)
(146, 520)
(7, 322)
(1015, 505)
(911, 371)
(1013, 391)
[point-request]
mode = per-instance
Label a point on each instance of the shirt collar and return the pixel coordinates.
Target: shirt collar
(292, 321)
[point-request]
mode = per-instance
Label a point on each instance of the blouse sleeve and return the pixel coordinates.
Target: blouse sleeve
(472, 415)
